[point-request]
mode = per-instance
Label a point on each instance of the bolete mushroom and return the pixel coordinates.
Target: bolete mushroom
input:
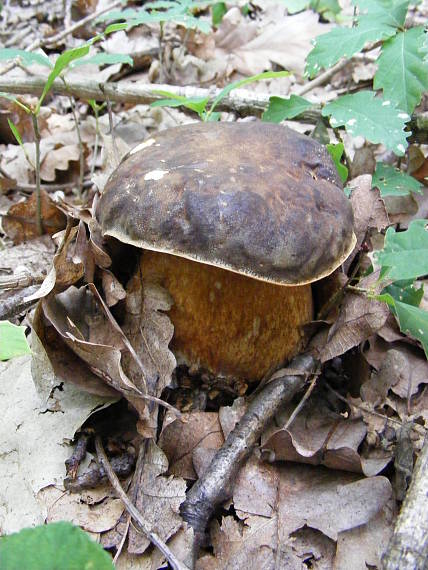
(235, 220)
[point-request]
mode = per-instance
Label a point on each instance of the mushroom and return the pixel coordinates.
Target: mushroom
(236, 220)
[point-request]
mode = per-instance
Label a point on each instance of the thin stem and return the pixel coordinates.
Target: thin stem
(39, 220)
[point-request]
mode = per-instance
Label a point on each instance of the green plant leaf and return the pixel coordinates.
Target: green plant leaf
(378, 20)
(224, 92)
(336, 152)
(372, 118)
(280, 109)
(116, 28)
(13, 342)
(27, 57)
(403, 69)
(105, 59)
(51, 547)
(294, 6)
(392, 181)
(62, 63)
(405, 292)
(405, 254)
(218, 10)
(15, 132)
(412, 320)
(196, 104)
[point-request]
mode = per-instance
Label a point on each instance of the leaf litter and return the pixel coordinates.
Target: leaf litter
(314, 492)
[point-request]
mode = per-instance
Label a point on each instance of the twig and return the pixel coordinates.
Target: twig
(20, 280)
(16, 304)
(133, 511)
(322, 78)
(214, 486)
(241, 101)
(408, 547)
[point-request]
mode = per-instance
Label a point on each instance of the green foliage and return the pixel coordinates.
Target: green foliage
(199, 104)
(403, 259)
(372, 118)
(280, 109)
(405, 254)
(52, 547)
(402, 69)
(329, 9)
(377, 20)
(336, 151)
(392, 181)
(15, 132)
(412, 320)
(27, 57)
(13, 342)
(105, 59)
(218, 10)
(180, 12)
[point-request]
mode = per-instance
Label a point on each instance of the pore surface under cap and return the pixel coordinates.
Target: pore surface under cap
(252, 197)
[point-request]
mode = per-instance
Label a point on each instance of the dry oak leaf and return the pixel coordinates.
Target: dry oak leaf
(283, 40)
(20, 221)
(159, 498)
(180, 440)
(359, 318)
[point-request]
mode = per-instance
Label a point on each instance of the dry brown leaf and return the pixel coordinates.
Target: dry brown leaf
(369, 211)
(359, 318)
(20, 221)
(58, 159)
(285, 41)
(318, 438)
(159, 498)
(181, 439)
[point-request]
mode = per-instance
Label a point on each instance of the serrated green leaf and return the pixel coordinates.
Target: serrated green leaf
(372, 118)
(392, 12)
(336, 152)
(405, 292)
(105, 59)
(280, 109)
(405, 254)
(392, 181)
(27, 57)
(13, 342)
(403, 70)
(50, 547)
(412, 320)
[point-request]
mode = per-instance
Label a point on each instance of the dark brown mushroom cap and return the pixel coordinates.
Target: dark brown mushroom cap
(255, 198)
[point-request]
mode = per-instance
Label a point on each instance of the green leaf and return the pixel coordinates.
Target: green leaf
(105, 59)
(405, 292)
(412, 320)
(378, 20)
(62, 63)
(116, 28)
(224, 92)
(13, 343)
(294, 6)
(280, 109)
(15, 132)
(218, 10)
(196, 104)
(372, 118)
(52, 547)
(392, 181)
(336, 152)
(403, 70)
(27, 57)
(405, 254)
